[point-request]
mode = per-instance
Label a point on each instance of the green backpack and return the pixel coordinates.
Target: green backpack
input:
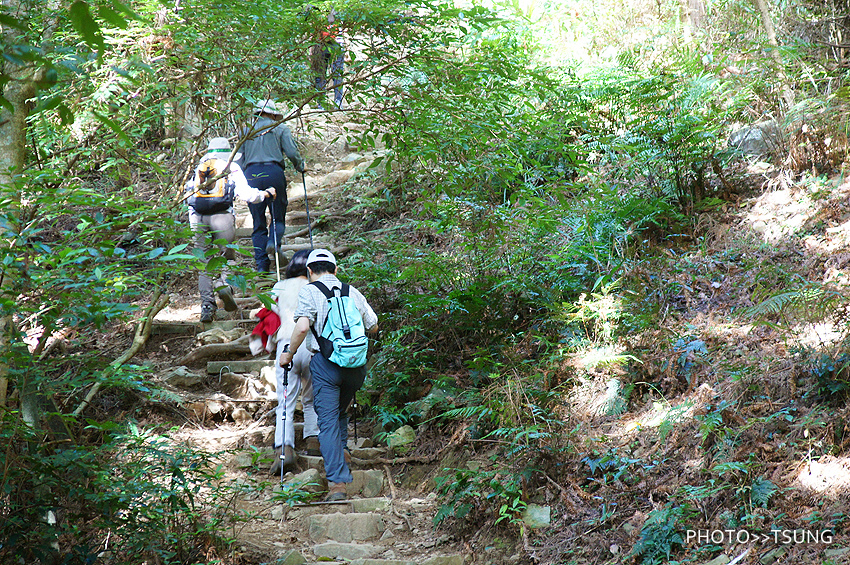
(343, 340)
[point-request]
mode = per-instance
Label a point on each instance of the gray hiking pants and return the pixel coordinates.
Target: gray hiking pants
(211, 229)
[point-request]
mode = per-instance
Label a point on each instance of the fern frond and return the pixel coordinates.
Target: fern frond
(810, 302)
(466, 412)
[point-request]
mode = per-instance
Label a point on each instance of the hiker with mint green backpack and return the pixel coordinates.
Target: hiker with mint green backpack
(334, 318)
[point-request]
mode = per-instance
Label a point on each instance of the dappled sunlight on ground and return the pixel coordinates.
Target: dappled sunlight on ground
(818, 335)
(666, 413)
(183, 303)
(179, 314)
(780, 213)
(829, 475)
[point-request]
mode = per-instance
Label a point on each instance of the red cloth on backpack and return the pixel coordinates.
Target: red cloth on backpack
(269, 324)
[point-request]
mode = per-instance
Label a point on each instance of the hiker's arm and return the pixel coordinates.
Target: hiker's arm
(245, 191)
(302, 328)
(370, 319)
(287, 145)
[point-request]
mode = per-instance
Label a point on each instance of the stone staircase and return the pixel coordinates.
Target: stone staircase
(375, 526)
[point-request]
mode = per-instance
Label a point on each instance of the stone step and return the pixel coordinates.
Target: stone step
(369, 452)
(318, 241)
(162, 327)
(244, 232)
(350, 506)
(294, 557)
(178, 328)
(295, 193)
(346, 528)
(433, 560)
(346, 551)
(366, 484)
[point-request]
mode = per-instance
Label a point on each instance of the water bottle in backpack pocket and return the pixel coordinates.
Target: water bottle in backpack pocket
(218, 196)
(343, 340)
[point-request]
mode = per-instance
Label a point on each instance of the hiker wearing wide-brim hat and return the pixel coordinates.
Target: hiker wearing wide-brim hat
(219, 148)
(267, 107)
(210, 201)
(266, 147)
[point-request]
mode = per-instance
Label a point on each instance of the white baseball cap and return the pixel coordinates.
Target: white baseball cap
(318, 255)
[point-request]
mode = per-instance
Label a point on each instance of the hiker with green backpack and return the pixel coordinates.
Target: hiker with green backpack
(334, 318)
(210, 195)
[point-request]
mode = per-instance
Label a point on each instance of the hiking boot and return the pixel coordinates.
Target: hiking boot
(207, 313)
(288, 457)
(275, 468)
(226, 296)
(336, 491)
(313, 447)
(274, 254)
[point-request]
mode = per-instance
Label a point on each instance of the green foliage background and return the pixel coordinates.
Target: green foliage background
(535, 166)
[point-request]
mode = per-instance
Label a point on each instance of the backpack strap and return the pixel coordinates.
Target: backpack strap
(324, 289)
(344, 291)
(329, 294)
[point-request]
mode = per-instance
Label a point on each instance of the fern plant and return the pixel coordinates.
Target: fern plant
(810, 302)
(660, 535)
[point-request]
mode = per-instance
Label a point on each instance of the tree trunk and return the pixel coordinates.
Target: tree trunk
(691, 15)
(13, 135)
(770, 32)
(21, 86)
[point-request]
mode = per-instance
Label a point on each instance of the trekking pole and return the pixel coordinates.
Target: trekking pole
(307, 207)
(274, 231)
(283, 413)
(352, 407)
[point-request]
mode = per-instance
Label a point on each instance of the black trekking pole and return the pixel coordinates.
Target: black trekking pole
(274, 231)
(283, 415)
(307, 207)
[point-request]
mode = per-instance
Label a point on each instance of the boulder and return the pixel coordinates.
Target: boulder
(310, 480)
(763, 139)
(181, 377)
(220, 335)
(537, 516)
(405, 435)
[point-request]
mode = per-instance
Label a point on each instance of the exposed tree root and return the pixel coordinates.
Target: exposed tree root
(238, 346)
(143, 332)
